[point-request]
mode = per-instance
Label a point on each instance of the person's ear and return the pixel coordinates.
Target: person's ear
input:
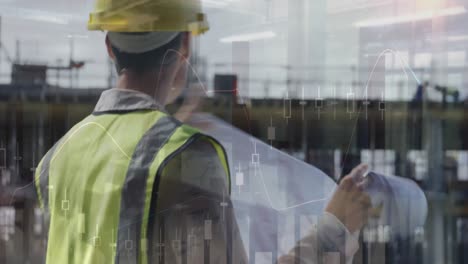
(109, 48)
(185, 46)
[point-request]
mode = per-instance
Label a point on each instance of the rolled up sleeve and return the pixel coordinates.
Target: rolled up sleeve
(329, 242)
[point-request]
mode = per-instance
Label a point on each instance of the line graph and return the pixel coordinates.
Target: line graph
(403, 66)
(255, 159)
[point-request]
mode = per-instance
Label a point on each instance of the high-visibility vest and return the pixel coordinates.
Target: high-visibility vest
(97, 182)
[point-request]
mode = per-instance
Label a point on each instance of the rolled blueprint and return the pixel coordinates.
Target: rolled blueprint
(277, 185)
(403, 205)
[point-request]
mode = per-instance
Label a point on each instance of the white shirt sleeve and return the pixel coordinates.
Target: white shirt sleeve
(330, 241)
(333, 229)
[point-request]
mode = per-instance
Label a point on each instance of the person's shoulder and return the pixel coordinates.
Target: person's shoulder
(201, 147)
(199, 140)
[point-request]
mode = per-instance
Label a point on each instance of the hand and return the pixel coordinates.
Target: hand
(190, 107)
(349, 203)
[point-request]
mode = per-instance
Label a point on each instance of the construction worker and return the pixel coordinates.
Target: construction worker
(131, 184)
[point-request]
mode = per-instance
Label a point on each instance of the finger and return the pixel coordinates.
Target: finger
(360, 170)
(355, 194)
(347, 183)
(359, 187)
(361, 198)
(362, 185)
(357, 168)
(356, 175)
(365, 200)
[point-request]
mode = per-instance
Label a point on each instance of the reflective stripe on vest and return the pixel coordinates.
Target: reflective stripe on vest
(97, 184)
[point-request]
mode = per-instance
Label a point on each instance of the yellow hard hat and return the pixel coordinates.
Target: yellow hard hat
(148, 16)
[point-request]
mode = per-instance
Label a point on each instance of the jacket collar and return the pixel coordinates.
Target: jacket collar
(115, 100)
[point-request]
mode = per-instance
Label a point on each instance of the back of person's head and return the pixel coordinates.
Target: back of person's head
(145, 51)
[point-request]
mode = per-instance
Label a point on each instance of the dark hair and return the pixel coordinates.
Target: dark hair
(143, 62)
